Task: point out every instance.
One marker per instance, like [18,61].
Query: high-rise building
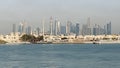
[57,27]
[63,30]
[98,30]
[29,30]
[86,28]
[109,28]
[72,28]
[51,25]
[105,31]
[77,29]
[14,28]
[22,27]
[68,28]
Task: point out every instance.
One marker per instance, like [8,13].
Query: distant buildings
[63,30]
[97,30]
[21,27]
[57,27]
[70,28]
[51,26]
[86,28]
[77,29]
[109,28]
[29,30]
[57,31]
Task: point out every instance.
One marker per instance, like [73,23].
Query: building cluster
[55,28]
[71,31]
[75,28]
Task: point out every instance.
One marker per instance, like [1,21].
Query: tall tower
[20,28]
[77,29]
[68,28]
[57,27]
[29,30]
[109,28]
[89,31]
[51,25]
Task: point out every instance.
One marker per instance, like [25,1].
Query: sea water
[60,56]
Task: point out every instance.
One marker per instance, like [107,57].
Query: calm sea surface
[60,56]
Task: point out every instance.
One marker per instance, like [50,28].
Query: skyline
[55,28]
[77,11]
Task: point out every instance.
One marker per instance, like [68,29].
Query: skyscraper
[57,27]
[63,30]
[109,28]
[77,29]
[51,25]
[68,28]
[89,32]
[72,28]
[29,30]
[22,27]
[86,28]
[98,30]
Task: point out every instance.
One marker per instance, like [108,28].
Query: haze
[33,11]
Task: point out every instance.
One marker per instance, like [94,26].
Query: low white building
[11,38]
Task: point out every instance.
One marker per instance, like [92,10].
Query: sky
[77,11]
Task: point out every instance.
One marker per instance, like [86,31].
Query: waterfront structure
[11,38]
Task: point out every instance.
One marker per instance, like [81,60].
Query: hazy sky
[77,11]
